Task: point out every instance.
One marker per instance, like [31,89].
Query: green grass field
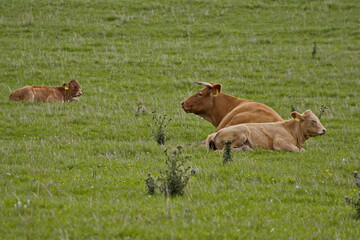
[80,168]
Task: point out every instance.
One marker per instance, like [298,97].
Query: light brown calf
[223,110]
[287,135]
[68,92]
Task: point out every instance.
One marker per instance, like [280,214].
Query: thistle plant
[174,179]
[323,108]
[227,156]
[355,202]
[159,129]
[150,184]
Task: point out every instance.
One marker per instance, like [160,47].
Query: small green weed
[159,129]
[141,110]
[355,202]
[150,184]
[323,108]
[227,156]
[314,50]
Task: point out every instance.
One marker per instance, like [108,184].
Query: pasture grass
[80,168]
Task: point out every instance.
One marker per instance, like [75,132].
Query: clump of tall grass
[173,180]
[355,202]
[158,129]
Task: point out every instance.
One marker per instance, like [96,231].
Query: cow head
[72,90]
[203,100]
[309,123]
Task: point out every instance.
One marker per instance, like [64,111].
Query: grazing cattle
[223,110]
[287,135]
[68,92]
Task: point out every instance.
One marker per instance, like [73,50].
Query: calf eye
[200,94]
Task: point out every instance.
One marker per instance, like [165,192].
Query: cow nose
[324,131]
[182,104]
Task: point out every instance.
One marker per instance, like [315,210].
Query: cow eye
[200,94]
[314,122]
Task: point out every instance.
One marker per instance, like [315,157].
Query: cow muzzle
[78,94]
[184,108]
[322,132]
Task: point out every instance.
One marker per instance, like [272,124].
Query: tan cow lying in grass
[223,110]
[287,135]
[68,92]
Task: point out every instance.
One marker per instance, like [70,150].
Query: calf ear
[66,86]
[297,116]
[216,89]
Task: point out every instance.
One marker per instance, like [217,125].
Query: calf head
[310,125]
[72,90]
[203,100]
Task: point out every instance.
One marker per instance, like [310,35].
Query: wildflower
[194,171]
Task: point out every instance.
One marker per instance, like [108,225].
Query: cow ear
[216,89]
[308,113]
[297,116]
[66,86]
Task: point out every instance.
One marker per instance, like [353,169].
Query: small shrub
[174,179]
[159,129]
[355,202]
[227,156]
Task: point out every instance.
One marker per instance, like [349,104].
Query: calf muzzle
[323,131]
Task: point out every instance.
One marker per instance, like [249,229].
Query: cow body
[68,92]
[223,110]
[287,135]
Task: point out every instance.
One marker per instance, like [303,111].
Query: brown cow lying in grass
[223,110]
[68,92]
[287,135]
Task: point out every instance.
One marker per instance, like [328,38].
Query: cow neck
[63,93]
[293,127]
[223,104]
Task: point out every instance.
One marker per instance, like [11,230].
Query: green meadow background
[77,170]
